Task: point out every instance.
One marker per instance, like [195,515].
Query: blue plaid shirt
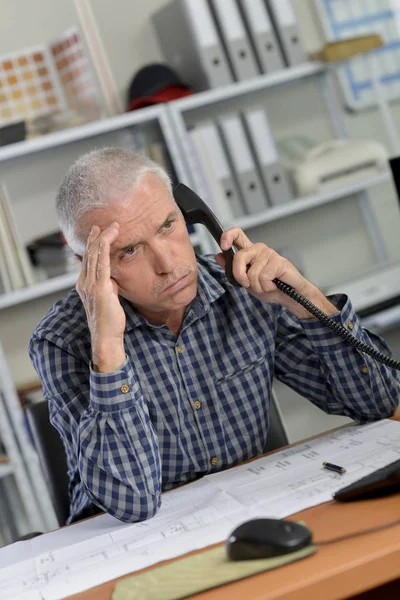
[182,407]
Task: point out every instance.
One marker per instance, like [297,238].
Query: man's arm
[104,423]
[311,358]
[321,366]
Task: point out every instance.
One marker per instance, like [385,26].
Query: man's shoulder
[65,322]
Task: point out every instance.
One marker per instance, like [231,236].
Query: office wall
[129,40]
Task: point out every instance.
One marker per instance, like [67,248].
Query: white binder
[216,173]
[235,39]
[9,253]
[262,35]
[240,156]
[284,20]
[273,173]
[191,45]
[207,185]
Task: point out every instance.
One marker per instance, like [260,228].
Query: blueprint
[196,515]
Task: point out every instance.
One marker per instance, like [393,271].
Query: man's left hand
[255,266]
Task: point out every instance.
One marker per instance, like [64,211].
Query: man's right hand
[99,295]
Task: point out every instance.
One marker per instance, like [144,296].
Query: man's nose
[164,261]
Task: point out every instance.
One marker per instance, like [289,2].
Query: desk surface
[336,571]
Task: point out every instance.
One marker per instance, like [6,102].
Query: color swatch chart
[342,19]
[28,87]
[75,74]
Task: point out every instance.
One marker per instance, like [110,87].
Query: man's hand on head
[255,266]
[99,295]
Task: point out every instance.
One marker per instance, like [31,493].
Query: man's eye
[167,224]
[130,251]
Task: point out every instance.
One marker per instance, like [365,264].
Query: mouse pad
[197,573]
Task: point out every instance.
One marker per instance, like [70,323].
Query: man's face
[152,260]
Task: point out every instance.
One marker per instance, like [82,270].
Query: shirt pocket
[242,368]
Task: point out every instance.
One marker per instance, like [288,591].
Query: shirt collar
[208,290]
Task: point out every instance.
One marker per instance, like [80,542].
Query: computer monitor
[395,167]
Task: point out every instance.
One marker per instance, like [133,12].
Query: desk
[337,571]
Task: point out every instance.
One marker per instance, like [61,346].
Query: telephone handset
[195,210]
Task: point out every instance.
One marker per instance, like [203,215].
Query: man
[156,369]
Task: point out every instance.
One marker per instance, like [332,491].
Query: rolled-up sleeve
[320,365]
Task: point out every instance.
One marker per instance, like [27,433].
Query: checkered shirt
[181,407]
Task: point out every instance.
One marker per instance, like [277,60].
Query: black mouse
[264,538]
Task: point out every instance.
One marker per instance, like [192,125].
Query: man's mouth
[177,284]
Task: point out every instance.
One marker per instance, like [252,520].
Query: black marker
[335,468]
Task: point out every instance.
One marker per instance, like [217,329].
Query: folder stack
[212,173]
[212,43]
[191,44]
[242,162]
[273,174]
[284,20]
[262,35]
[15,268]
[235,164]
[235,39]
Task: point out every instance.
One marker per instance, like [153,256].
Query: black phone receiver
[195,210]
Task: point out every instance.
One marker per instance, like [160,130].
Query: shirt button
[197,404]
[350,325]
[124,388]
[364,369]
[214,461]
[179,349]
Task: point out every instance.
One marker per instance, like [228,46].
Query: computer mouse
[265,538]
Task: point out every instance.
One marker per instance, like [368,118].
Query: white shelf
[152,113]
[6,469]
[241,88]
[80,132]
[306,202]
[43,288]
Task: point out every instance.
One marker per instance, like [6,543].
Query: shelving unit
[170,120]
[23,466]
[183,114]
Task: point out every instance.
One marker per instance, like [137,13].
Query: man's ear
[79,257]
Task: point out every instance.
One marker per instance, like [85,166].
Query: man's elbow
[140,511]
[396,414]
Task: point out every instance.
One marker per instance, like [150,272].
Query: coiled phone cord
[336,327]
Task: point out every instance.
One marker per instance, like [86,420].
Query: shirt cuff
[114,391]
[323,337]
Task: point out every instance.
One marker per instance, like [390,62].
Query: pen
[335,468]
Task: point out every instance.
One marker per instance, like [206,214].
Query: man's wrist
[314,295]
[107,358]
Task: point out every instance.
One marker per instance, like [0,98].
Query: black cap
[155,83]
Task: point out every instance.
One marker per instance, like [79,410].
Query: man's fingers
[95,251]
[235,236]
[93,234]
[261,277]
[241,262]
[103,270]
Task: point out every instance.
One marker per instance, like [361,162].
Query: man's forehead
[126,205]
[135,232]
